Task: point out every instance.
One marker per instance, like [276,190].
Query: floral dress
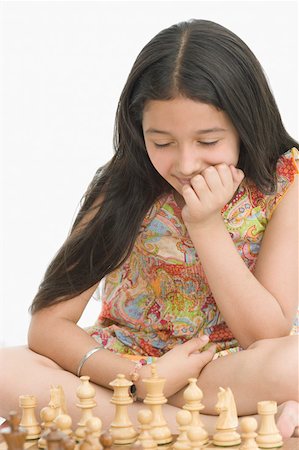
[160,296]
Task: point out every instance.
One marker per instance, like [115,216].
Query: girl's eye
[208,143]
[161,145]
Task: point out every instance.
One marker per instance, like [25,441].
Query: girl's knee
[278,363]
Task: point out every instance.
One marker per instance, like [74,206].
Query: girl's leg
[26,372]
[267,370]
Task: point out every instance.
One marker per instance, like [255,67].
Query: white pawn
[144,417]
[196,436]
[183,418]
[91,440]
[64,424]
[248,426]
[28,404]
[47,415]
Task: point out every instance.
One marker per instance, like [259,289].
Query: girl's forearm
[66,343]
[250,310]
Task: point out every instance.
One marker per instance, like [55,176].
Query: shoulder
[286,171]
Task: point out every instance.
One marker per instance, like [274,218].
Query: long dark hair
[202,61]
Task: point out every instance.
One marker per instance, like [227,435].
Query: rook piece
[268,434]
[227,422]
[28,404]
[248,426]
[155,399]
[121,428]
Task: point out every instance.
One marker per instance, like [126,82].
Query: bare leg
[268,369]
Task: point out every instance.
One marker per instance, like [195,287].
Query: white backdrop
[65,64]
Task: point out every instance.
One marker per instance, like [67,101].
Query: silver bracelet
[85,357]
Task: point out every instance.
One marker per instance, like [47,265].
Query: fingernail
[204,338]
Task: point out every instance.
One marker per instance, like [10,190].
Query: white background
[65,64]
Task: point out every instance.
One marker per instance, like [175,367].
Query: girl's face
[183,137]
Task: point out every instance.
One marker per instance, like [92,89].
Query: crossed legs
[267,370]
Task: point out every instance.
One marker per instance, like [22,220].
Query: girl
[192,227]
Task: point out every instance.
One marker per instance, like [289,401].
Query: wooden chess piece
[184,419]
[28,404]
[155,399]
[106,440]
[13,435]
[248,426]
[227,422]
[93,430]
[193,396]
[47,415]
[196,436]
[121,427]
[145,417]
[268,434]
[86,395]
[68,443]
[64,424]
[55,438]
[57,400]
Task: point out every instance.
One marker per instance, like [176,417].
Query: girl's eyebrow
[209,130]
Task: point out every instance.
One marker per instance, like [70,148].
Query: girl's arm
[255,305]
[55,334]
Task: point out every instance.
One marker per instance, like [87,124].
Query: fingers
[238,175]
[195,344]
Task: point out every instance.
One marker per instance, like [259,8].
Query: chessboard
[288,444]
[55,431]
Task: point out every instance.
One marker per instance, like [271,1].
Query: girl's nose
[188,162]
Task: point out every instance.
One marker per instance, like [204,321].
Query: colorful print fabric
[160,296]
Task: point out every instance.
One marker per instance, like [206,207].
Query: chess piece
[155,399]
[227,422]
[28,404]
[55,438]
[93,431]
[47,415]
[57,400]
[64,424]
[248,426]
[184,419]
[14,436]
[94,425]
[86,395]
[193,396]
[145,417]
[121,427]
[196,435]
[268,434]
[106,440]
[68,443]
